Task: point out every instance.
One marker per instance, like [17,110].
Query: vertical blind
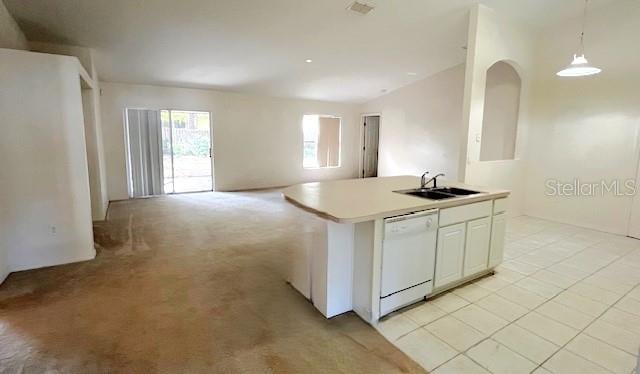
[145,152]
[328,142]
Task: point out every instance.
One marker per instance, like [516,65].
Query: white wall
[587,128]
[100,158]
[420,125]
[84,55]
[494,38]
[5,267]
[10,34]
[43,164]
[4,256]
[257,140]
[93,123]
[95,153]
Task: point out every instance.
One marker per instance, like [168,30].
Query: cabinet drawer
[500,205]
[464,213]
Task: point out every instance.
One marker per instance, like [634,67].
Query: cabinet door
[498,231]
[476,255]
[449,254]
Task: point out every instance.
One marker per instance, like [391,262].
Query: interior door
[370,146]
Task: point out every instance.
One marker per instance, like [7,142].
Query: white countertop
[365,199]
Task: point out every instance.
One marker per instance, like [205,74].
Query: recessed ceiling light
[411,73]
[308,61]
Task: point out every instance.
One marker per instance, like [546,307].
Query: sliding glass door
[186,150]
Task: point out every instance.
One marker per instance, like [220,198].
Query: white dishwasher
[408,259]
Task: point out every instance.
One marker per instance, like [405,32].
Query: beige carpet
[185,283]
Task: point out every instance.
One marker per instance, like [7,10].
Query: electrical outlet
[53,229]
[477,138]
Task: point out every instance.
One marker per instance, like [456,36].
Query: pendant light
[580,67]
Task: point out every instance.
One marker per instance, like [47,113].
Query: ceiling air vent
[360,8]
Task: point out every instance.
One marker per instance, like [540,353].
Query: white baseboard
[4,273]
[577,224]
[59,261]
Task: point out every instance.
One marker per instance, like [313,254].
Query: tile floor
[565,300]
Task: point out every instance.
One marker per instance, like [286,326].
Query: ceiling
[260,46]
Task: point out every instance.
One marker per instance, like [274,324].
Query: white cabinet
[498,232]
[500,205]
[470,241]
[450,254]
[477,246]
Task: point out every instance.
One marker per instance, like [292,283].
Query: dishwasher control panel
[410,224]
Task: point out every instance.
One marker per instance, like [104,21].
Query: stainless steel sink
[438,193]
[455,191]
[428,194]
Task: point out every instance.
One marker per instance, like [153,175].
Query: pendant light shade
[580,67]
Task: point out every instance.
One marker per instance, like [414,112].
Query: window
[321,136]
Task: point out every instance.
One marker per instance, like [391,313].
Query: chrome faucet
[424,181]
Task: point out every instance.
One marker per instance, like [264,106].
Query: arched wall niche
[501,112]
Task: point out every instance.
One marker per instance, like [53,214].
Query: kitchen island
[375,240]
